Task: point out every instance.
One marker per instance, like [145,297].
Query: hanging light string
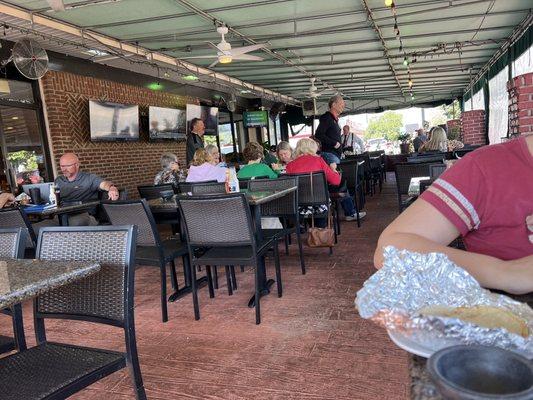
[406,62]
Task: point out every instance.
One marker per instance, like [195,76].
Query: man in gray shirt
[75,185]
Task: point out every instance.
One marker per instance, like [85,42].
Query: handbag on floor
[320,237]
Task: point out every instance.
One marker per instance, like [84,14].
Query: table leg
[264,283]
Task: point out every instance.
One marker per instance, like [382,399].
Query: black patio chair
[435,170]
[151,249]
[16,218]
[230,239]
[429,158]
[285,208]
[371,171]
[12,244]
[315,194]
[53,370]
[150,192]
[350,174]
[379,164]
[244,183]
[186,187]
[200,188]
[404,172]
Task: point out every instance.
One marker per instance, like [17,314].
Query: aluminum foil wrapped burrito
[410,282]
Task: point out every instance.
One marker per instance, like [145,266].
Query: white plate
[406,343]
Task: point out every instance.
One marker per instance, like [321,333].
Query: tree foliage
[452,111]
[388,125]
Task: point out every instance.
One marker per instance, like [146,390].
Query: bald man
[76,185]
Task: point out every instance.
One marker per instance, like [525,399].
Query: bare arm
[6,199]
[111,189]
[422,228]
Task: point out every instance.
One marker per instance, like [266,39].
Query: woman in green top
[253,154]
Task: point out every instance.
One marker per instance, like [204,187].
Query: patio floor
[310,345]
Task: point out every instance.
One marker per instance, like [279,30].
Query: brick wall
[521,104]
[473,127]
[127,164]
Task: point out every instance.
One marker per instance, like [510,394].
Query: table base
[200,282]
[263,292]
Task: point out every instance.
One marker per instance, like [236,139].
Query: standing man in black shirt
[195,139]
[328,132]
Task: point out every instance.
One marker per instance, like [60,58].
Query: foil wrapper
[410,281]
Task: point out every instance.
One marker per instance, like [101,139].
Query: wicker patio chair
[16,218]
[316,197]
[12,242]
[350,174]
[150,192]
[222,226]
[404,172]
[53,370]
[285,208]
[151,249]
[200,188]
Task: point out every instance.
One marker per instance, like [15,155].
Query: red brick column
[521,104]
[473,127]
[454,126]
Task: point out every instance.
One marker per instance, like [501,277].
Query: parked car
[376,144]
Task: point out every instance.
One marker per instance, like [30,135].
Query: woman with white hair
[214,153]
[170,170]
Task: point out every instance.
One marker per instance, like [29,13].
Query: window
[476,102]
[498,106]
[523,64]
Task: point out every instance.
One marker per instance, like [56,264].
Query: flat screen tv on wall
[113,121]
[207,114]
[167,123]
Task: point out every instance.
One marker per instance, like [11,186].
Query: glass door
[23,153]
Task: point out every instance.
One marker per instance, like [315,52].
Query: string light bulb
[410,82]
[405,61]
[389,3]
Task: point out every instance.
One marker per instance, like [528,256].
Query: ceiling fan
[312,92]
[56,5]
[226,54]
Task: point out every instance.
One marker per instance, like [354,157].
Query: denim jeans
[348,206]
[330,157]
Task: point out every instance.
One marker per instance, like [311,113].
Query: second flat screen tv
[167,123]
[113,121]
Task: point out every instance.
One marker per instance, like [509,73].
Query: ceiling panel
[450,40]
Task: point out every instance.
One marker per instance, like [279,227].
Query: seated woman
[253,155]
[306,160]
[284,153]
[487,198]
[170,172]
[438,141]
[214,153]
[203,168]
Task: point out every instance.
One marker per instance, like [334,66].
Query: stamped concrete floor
[310,345]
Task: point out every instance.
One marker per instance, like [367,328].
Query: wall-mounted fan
[226,54]
[29,58]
